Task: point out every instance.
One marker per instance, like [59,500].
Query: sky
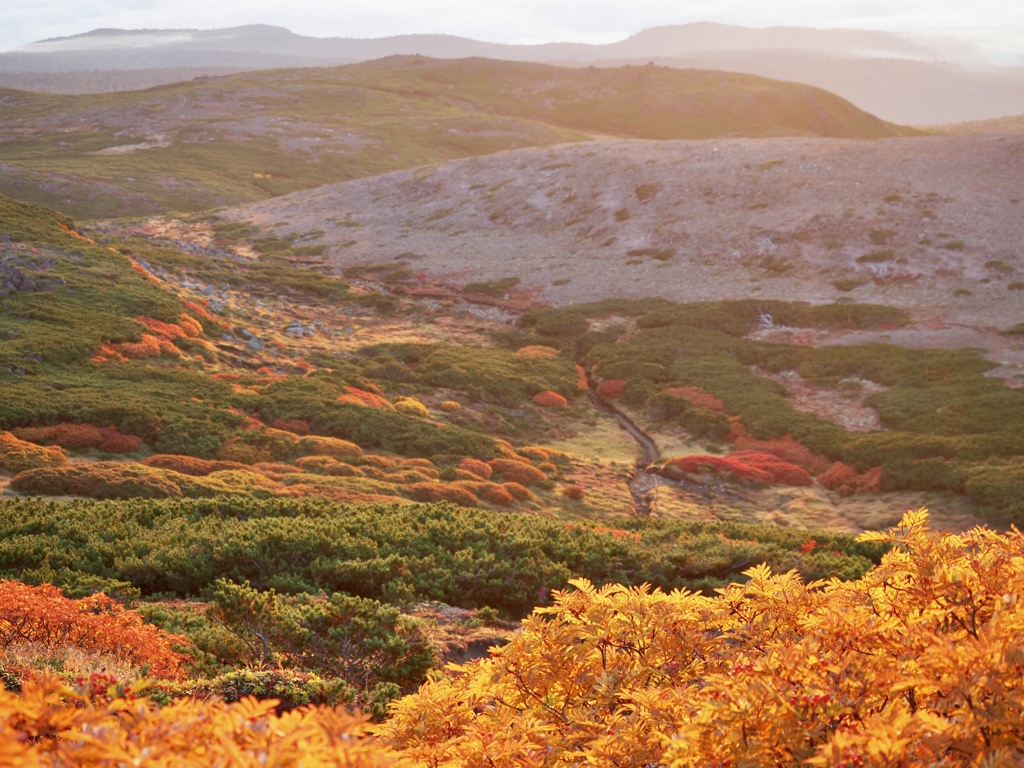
[1000,22]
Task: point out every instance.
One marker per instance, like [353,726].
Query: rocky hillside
[933,225]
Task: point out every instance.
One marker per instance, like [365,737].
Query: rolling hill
[931,224]
[246,137]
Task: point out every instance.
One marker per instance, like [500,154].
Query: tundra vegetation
[217,535]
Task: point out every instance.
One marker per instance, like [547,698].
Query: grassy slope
[251,136]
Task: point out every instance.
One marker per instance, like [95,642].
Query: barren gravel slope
[933,224]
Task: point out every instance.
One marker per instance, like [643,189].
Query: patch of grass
[659,254]
[876,257]
[647,192]
[847,283]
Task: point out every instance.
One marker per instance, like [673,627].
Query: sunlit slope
[247,137]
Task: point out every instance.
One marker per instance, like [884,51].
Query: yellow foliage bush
[411,406]
[51,724]
[451,406]
[918,663]
[329,446]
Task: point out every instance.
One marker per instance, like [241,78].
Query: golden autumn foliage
[920,662]
[42,617]
[51,724]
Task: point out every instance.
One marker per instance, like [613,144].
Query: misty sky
[507,21]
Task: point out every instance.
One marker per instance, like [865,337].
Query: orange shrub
[450,406]
[106,439]
[355,396]
[186,327]
[582,385]
[611,389]
[226,376]
[17,455]
[549,399]
[698,398]
[547,467]
[148,346]
[573,492]
[516,471]
[518,492]
[476,467]
[42,615]
[189,465]
[538,350]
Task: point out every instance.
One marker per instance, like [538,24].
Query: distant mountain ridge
[901,78]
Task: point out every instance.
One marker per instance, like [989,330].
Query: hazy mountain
[902,78]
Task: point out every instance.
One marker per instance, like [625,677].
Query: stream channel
[643,481]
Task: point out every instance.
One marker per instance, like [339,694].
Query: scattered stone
[255,344]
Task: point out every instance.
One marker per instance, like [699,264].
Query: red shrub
[719,465]
[516,471]
[549,399]
[846,481]
[788,449]
[697,397]
[782,472]
[611,389]
[476,467]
